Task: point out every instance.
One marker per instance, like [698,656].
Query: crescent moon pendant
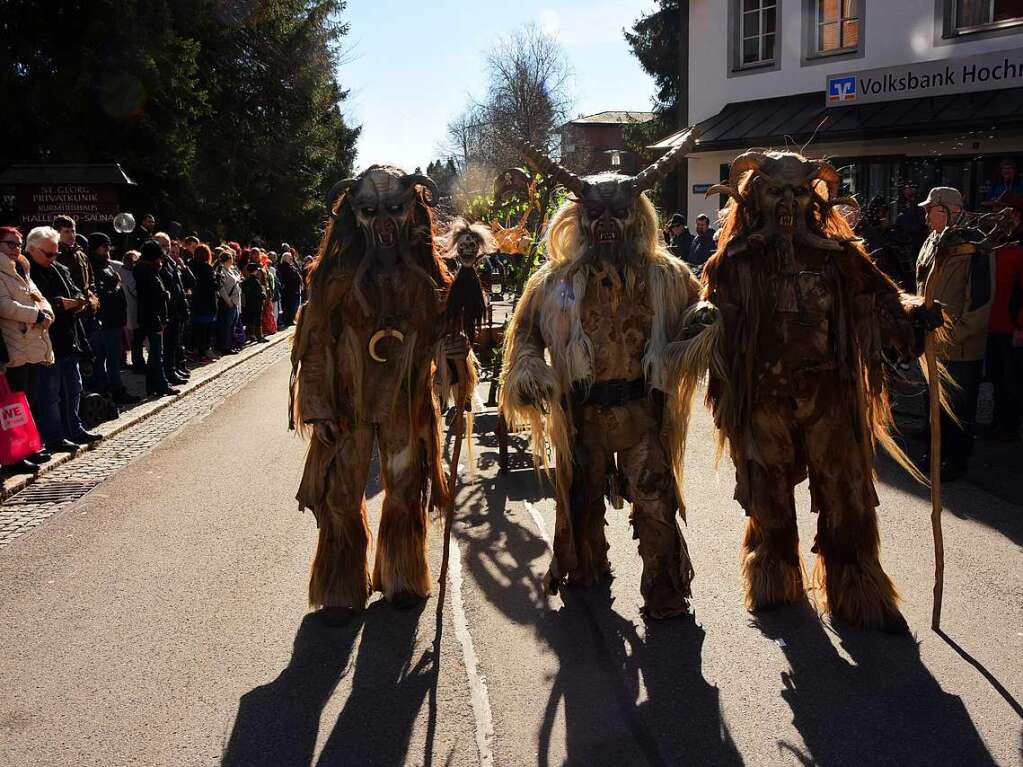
[379,336]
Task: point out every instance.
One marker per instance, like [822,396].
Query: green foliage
[655,42]
[227,114]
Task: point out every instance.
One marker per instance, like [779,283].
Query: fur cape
[547,352]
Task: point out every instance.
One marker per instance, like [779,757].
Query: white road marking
[541,526]
[477,685]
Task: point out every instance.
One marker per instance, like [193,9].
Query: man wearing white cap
[965,286]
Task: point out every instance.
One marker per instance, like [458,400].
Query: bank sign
[984,72]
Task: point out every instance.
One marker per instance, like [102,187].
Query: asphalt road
[161,620]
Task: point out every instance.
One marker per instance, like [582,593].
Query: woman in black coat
[204,302]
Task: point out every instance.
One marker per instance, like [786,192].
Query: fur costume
[585,367]
[363,365]
[797,381]
[463,245]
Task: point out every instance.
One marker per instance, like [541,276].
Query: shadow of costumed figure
[802,316]
[367,346]
[605,307]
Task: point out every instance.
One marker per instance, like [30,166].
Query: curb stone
[138,414]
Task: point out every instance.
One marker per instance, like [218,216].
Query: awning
[106,173]
[768,121]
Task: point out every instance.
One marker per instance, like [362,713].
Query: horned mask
[608,201]
[785,195]
[383,198]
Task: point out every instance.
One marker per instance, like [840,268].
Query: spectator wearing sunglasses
[55,393]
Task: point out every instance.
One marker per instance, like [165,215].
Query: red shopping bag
[19,437]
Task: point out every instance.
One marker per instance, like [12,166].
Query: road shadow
[389,687]
[882,708]
[604,668]
[624,698]
[277,723]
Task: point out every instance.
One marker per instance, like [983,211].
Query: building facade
[926,92]
[597,143]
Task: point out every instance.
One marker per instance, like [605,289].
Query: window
[838,26]
[979,15]
[757,32]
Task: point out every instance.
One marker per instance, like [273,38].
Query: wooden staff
[934,389]
[449,512]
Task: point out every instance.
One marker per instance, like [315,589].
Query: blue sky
[412,65]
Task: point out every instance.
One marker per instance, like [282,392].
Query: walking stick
[934,416]
[449,512]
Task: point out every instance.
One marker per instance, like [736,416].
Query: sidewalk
[201,375]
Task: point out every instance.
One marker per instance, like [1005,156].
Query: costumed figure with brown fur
[367,347]
[801,322]
[585,367]
[463,245]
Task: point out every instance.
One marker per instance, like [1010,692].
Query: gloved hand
[930,317]
[704,316]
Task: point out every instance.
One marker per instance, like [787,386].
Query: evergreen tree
[226,114]
[655,42]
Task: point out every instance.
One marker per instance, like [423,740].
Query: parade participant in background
[462,246]
[798,385]
[605,308]
[363,373]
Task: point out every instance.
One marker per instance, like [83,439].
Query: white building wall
[894,32]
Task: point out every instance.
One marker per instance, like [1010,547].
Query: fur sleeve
[528,382]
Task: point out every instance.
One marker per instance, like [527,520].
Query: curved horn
[424,181]
[751,160]
[826,172]
[659,169]
[558,173]
[724,189]
[335,190]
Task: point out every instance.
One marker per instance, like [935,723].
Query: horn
[724,189]
[335,190]
[825,171]
[425,181]
[851,202]
[558,173]
[660,169]
[751,160]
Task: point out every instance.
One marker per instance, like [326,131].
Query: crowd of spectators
[68,307]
